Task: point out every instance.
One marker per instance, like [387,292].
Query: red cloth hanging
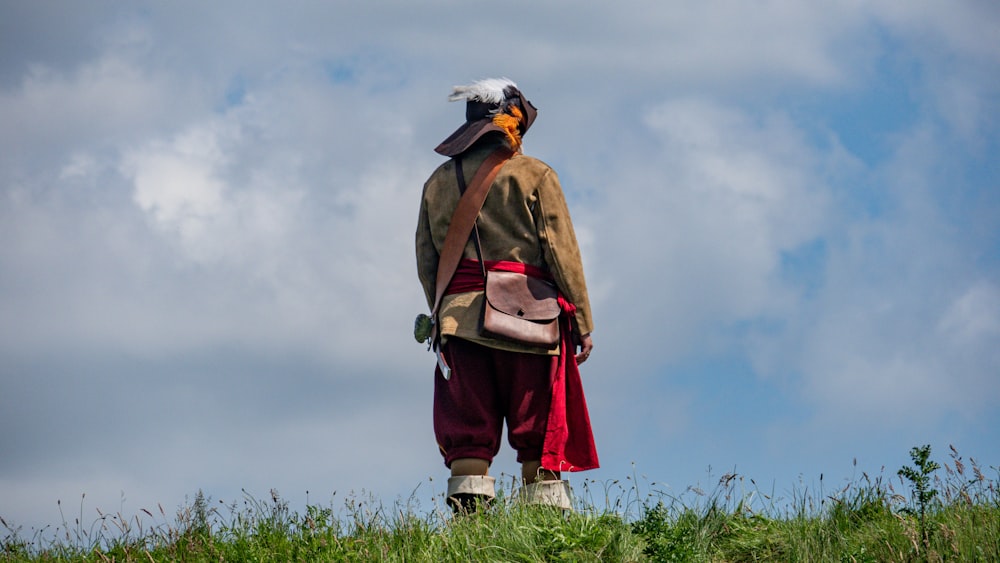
[569,439]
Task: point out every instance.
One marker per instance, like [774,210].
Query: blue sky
[789,214]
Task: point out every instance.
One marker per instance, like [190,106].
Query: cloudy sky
[789,214]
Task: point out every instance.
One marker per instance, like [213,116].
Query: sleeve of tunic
[560,248]
[427,254]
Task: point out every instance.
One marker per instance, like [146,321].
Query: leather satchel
[521,308]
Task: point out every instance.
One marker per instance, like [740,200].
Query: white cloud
[889,336]
[966,28]
[102,103]
[81,165]
[698,222]
[179,187]
[973,319]
[957,45]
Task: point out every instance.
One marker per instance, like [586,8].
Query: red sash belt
[569,439]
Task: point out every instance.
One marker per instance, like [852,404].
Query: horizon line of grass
[950,517]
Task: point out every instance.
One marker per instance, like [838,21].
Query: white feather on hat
[489,91]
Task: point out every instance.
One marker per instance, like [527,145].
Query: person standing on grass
[524,222]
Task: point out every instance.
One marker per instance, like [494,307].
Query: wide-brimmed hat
[493,104]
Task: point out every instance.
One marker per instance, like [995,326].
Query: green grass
[871,519]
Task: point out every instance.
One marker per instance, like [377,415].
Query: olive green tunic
[524,219]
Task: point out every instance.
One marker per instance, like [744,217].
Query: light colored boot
[548,493]
[467,492]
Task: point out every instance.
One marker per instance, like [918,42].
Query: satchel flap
[522,296]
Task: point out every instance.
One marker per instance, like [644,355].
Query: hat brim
[465,136]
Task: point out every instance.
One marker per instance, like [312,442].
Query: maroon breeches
[487,387]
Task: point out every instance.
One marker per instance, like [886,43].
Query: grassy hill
[924,512]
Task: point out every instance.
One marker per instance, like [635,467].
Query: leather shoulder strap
[463,219]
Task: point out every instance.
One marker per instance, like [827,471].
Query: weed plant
[918,514]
